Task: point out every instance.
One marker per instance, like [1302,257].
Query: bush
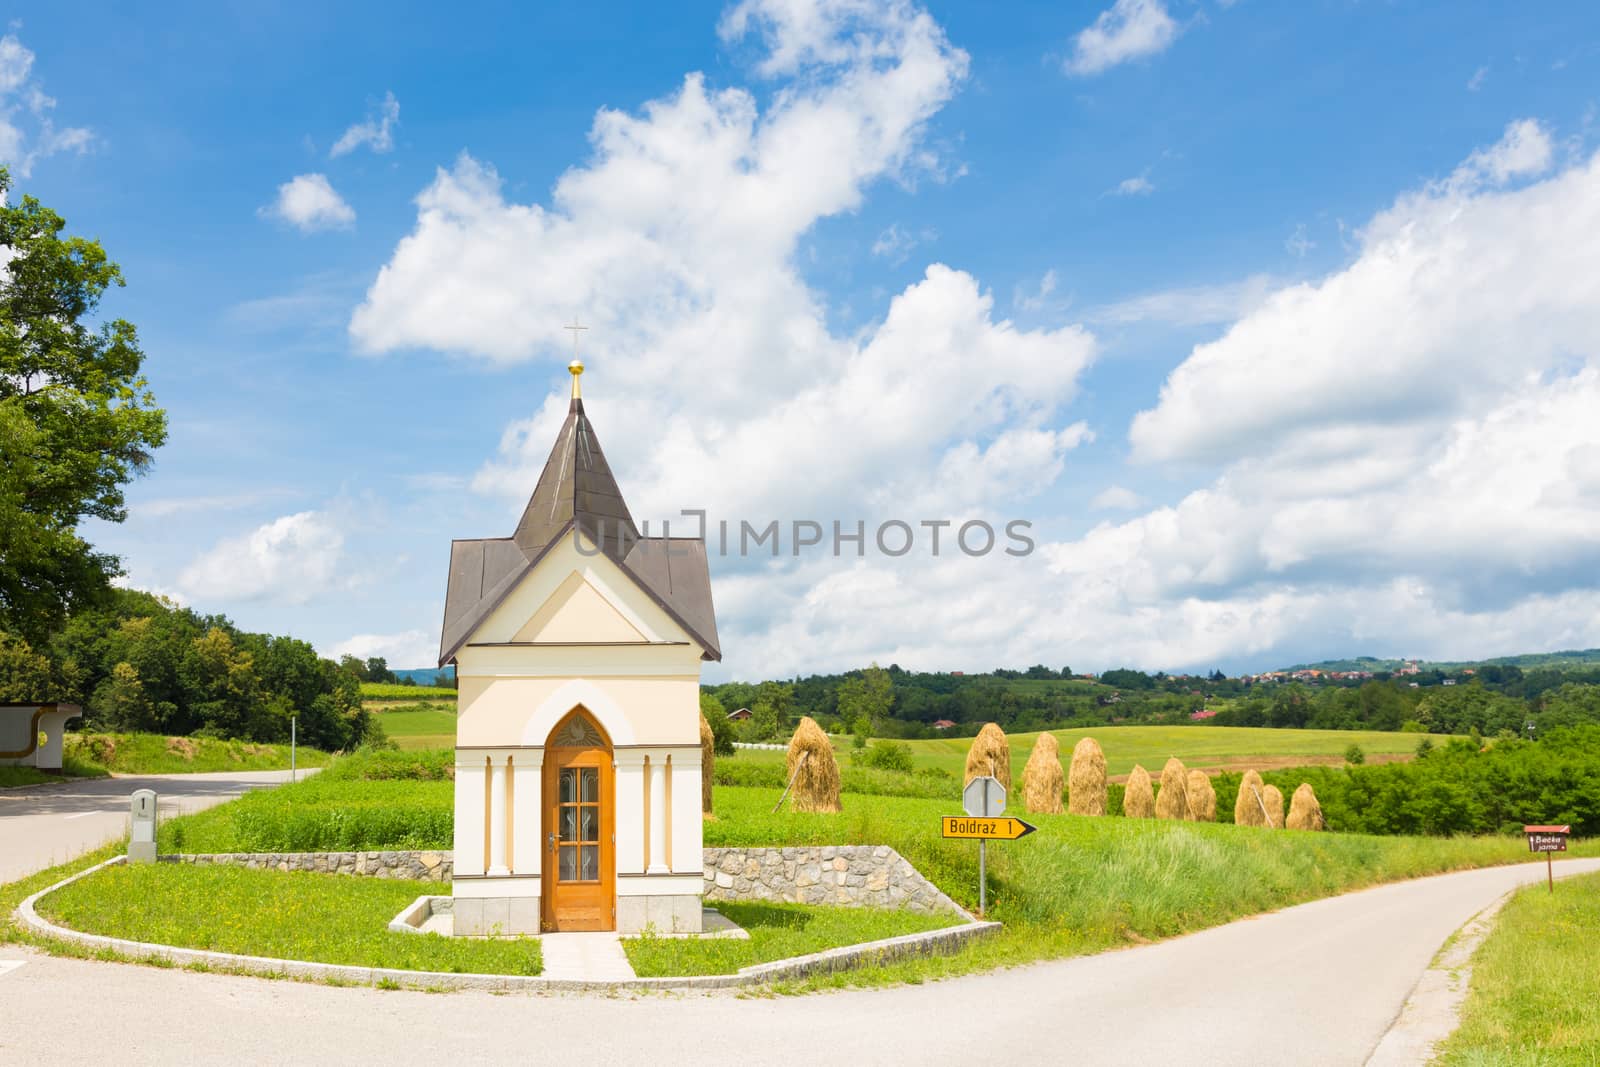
[1355,756]
[886,756]
[377,765]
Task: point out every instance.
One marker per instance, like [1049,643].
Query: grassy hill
[1573,659]
[1209,748]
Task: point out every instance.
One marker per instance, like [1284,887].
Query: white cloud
[402,651]
[309,203]
[1192,305]
[1475,82]
[1459,292]
[1299,243]
[1129,29]
[27,132]
[1115,498]
[1138,185]
[678,237]
[1039,297]
[376,132]
[291,559]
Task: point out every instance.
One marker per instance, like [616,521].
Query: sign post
[1548,839]
[984,800]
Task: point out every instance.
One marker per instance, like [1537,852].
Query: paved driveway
[48,824]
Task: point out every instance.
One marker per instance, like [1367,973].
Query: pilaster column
[660,816]
[497,818]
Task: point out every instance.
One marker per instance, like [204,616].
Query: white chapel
[577,645]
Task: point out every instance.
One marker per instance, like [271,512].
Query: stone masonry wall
[413,866]
[863,876]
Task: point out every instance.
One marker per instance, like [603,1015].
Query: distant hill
[426,675]
[1568,660]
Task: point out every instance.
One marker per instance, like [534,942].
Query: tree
[865,700]
[76,419]
[721,728]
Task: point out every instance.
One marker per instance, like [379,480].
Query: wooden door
[580,870]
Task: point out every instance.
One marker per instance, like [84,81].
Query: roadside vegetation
[323,918]
[777,931]
[155,754]
[71,767]
[1535,992]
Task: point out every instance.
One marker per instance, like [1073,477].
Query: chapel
[577,644]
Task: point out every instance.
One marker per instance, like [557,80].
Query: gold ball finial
[576,367]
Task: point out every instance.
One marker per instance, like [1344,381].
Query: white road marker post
[293,777]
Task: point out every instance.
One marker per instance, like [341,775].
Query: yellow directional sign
[985,829]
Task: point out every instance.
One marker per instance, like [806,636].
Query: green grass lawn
[154,754]
[777,931]
[1210,747]
[386,691]
[71,767]
[1535,994]
[418,725]
[324,918]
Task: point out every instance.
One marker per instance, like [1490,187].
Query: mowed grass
[324,918]
[155,754]
[418,726]
[777,931]
[1535,993]
[1206,747]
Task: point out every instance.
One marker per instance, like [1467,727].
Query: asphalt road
[44,825]
[1315,984]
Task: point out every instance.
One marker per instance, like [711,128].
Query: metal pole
[1550,870]
[983,876]
[293,776]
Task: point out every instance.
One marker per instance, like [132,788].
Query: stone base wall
[674,914]
[413,866]
[861,876]
[496,916]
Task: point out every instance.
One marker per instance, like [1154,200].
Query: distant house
[942,724]
[1449,681]
[739,715]
[1203,714]
[958,674]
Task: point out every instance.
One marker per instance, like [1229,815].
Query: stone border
[932,942]
[415,865]
[852,876]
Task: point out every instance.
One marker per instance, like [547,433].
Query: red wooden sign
[1547,838]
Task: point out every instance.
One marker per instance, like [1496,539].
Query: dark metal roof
[577,491]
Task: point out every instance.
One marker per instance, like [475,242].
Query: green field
[1209,748]
[415,726]
[1535,993]
[387,691]
[326,918]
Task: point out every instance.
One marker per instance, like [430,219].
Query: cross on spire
[576,366]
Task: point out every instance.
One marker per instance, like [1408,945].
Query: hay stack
[1173,801]
[1304,811]
[1247,809]
[1138,799]
[1202,797]
[1272,796]
[989,754]
[1087,779]
[708,757]
[1041,778]
[816,787]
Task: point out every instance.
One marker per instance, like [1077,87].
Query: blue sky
[1272,318]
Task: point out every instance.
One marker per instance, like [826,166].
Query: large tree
[77,421]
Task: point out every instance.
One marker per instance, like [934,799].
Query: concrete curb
[932,942]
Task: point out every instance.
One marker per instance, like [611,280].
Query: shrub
[1355,756]
[1138,799]
[1087,780]
[886,756]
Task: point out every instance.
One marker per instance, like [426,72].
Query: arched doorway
[580,863]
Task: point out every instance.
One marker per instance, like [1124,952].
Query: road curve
[49,824]
[1314,984]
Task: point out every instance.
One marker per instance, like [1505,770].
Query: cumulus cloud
[1138,185]
[292,559]
[709,350]
[402,651]
[1115,498]
[1129,29]
[309,203]
[375,132]
[28,132]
